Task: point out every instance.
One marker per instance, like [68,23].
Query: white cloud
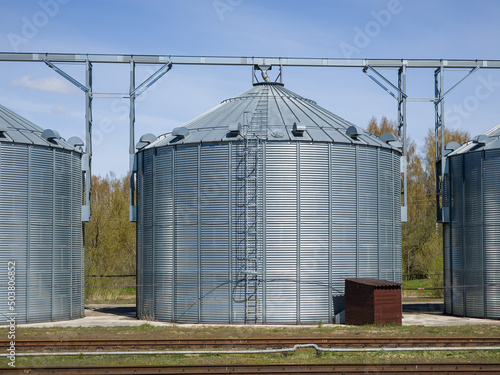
[52,84]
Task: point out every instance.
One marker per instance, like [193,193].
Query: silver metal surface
[263,226]
[471,245]
[40,223]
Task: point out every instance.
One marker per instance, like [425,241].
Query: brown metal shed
[372,301]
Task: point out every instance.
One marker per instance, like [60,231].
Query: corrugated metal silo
[40,223]
[471,240]
[257,210]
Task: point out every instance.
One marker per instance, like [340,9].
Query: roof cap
[235,128]
[50,135]
[180,132]
[75,141]
[388,137]
[354,131]
[481,139]
[145,140]
[298,129]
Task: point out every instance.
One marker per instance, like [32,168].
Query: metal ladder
[249,243]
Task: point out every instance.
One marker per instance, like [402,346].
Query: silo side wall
[471,246]
[41,231]
[491,188]
[324,215]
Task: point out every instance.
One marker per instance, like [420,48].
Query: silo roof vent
[50,135]
[450,147]
[3,129]
[76,142]
[388,137]
[235,128]
[298,129]
[180,132]
[145,140]
[481,139]
[354,131]
[391,139]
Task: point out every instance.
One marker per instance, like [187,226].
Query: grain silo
[257,210]
[471,237]
[41,249]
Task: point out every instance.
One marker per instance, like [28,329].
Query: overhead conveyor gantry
[368,66]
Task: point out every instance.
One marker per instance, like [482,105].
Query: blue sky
[448,29]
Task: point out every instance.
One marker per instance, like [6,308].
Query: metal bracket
[459,82]
[151,80]
[66,76]
[368,67]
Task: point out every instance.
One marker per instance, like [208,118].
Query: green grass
[409,290]
[179,331]
[300,356]
[110,290]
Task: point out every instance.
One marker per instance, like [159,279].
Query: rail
[270,342]
[268,369]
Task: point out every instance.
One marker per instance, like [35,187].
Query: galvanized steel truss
[368,65]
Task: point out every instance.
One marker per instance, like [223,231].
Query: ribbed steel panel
[473,241]
[187,293]
[281,233]
[40,229]
[214,234]
[163,210]
[344,218]
[491,188]
[367,170]
[447,269]
[314,233]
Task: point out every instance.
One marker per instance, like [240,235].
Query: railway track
[269,369]
[254,343]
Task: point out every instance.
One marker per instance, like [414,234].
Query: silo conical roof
[278,111]
[17,129]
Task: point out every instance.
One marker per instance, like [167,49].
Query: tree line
[422,240]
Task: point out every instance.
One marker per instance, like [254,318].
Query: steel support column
[132,206]
[402,136]
[132,117]
[86,209]
[439,133]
